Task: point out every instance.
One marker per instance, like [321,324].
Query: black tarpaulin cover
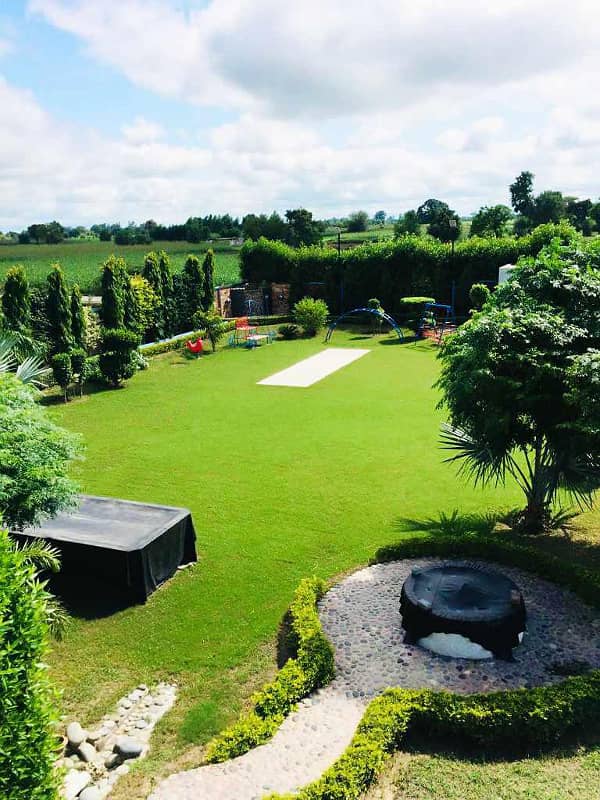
[134,546]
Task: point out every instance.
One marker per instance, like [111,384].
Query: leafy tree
[212,324]
[117,357]
[36,455]
[151,272]
[379,217]
[302,228]
[445,226]
[491,221]
[408,224]
[548,207]
[58,311]
[208,286]
[311,315]
[521,194]
[78,318]
[112,311]
[273,227]
[27,714]
[193,288]
[358,222]
[62,370]
[430,210]
[16,301]
[520,381]
[579,214]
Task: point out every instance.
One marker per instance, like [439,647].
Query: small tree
[27,715]
[78,318]
[36,455]
[79,367]
[478,295]
[131,306]
[112,311]
[62,371]
[208,286]
[117,362]
[408,224]
[148,306]
[520,381]
[16,303]
[212,324]
[166,289]
[311,315]
[358,222]
[193,287]
[58,311]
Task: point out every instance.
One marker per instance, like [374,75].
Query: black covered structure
[471,600]
[132,546]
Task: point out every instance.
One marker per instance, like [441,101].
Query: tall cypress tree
[112,312]
[193,288]
[166,286]
[131,306]
[58,311]
[78,321]
[152,273]
[208,293]
[16,301]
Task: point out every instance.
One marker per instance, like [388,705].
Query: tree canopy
[520,381]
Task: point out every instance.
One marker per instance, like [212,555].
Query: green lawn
[82,260]
[282,483]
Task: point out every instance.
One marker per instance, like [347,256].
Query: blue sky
[130,109]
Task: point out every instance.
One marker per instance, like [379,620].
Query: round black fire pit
[476,602]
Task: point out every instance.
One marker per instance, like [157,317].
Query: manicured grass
[282,483]
[81,261]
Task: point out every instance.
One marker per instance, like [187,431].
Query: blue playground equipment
[381,315]
[429,325]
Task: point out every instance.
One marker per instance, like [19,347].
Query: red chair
[195,347]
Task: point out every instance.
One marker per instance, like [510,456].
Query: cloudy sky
[117,110]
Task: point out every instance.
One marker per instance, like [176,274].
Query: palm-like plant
[17,354]
[45,558]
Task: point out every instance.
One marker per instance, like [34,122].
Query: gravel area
[361,617]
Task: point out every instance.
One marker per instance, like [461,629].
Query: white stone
[76,734]
[91,793]
[87,752]
[75,782]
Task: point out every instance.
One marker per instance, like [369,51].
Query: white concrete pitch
[313,369]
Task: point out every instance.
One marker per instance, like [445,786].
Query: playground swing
[379,314]
[437,320]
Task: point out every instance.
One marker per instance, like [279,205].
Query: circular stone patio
[361,617]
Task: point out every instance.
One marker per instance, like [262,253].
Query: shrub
[78,318]
[412,310]
[112,312]
[312,667]
[16,302]
[116,360]
[478,295]
[93,332]
[27,743]
[79,367]
[147,305]
[311,315]
[62,372]
[36,454]
[289,331]
[212,324]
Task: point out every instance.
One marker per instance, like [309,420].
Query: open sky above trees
[263,105]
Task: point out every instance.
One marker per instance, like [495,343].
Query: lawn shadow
[453,524]
[89,598]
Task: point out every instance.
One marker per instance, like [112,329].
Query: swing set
[438,320]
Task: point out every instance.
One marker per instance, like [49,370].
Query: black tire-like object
[474,601]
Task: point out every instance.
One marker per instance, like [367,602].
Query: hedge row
[390,270]
[311,668]
[517,721]
[177,343]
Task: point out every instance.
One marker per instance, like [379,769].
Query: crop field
[81,261]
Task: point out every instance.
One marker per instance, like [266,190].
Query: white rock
[91,793]
[76,734]
[75,782]
[87,752]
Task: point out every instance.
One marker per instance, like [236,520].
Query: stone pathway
[361,618]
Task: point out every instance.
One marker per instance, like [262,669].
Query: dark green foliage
[272,227]
[511,722]
[193,289]
[302,229]
[412,309]
[512,379]
[311,315]
[310,668]
[116,359]
[289,331]
[521,194]
[27,741]
[58,311]
[408,224]
[131,305]
[490,221]
[79,367]
[151,272]
[78,319]
[112,312]
[62,370]
[36,455]
[157,271]
[208,285]
[16,304]
[358,222]
[479,295]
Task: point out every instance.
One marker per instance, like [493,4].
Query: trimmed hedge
[28,746]
[516,721]
[311,668]
[178,343]
[410,265]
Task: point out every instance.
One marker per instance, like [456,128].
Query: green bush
[412,311]
[16,301]
[62,372]
[116,359]
[311,315]
[288,331]
[212,324]
[79,367]
[27,742]
[478,295]
[311,668]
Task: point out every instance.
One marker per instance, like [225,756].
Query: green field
[82,261]
[282,483]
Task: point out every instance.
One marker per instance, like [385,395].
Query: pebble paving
[361,617]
